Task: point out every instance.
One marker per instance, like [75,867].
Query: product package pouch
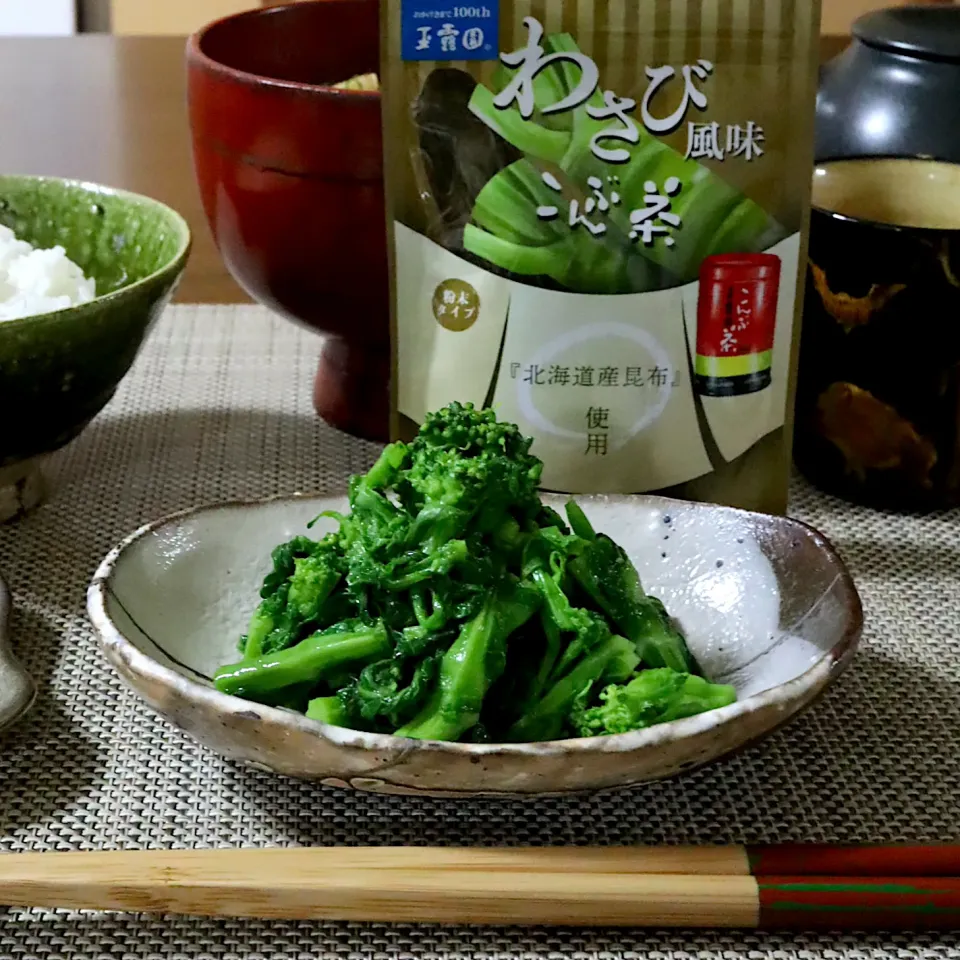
[597,213]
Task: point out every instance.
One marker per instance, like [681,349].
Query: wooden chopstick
[567,886]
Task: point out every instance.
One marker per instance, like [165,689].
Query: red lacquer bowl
[291,176]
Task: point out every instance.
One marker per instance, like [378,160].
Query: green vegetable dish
[452,604]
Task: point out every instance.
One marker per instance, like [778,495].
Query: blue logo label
[444,30]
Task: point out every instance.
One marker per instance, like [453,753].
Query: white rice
[36,281]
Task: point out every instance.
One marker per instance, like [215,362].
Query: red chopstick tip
[804,860]
[860,903]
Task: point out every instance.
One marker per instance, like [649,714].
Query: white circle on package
[596,331]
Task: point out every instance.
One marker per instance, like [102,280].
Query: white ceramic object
[765,602]
[17,690]
[22,488]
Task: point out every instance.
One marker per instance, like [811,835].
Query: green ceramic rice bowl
[58,370]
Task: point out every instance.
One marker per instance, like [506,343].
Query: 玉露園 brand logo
[440,30]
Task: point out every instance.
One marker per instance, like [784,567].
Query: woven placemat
[218,406]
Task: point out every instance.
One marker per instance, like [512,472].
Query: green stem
[546,719]
[328,710]
[307,662]
[472,664]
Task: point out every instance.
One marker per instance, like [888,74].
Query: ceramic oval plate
[17,689]
[765,602]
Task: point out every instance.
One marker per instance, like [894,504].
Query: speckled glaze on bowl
[170,601]
[62,368]
[17,689]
